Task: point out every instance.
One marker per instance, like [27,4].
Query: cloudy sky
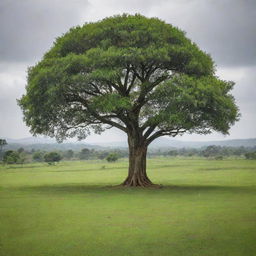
[224,28]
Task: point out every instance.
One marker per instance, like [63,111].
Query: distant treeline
[22,155]
[210,151]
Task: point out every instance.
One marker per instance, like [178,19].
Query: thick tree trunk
[137,176]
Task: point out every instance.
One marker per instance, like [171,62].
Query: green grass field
[206,207]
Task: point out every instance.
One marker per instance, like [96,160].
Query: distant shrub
[84,154]
[218,158]
[69,154]
[52,157]
[173,153]
[11,157]
[112,157]
[211,151]
[250,155]
[102,155]
[20,150]
[38,156]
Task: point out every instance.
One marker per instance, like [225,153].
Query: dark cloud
[29,27]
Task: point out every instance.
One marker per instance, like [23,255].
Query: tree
[137,74]
[38,156]
[12,157]
[20,150]
[103,155]
[2,144]
[84,154]
[112,157]
[250,155]
[173,152]
[52,157]
[69,154]
[211,151]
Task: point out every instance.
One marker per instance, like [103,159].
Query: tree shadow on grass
[111,189]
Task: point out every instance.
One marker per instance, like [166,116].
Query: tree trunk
[137,176]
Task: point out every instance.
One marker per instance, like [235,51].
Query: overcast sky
[224,28]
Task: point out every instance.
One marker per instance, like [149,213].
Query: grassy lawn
[206,207]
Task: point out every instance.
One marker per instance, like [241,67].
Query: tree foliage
[124,69]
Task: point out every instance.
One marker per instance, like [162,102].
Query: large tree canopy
[137,74]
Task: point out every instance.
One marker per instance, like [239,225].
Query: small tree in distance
[102,155]
[12,157]
[38,156]
[250,155]
[112,157]
[137,74]
[69,154]
[52,157]
[84,154]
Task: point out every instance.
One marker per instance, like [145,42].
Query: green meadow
[205,208]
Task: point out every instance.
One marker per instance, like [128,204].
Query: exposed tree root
[139,181]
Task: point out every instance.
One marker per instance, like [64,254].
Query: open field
[205,208]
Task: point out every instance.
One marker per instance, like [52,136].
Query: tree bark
[137,176]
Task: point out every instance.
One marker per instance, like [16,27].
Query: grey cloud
[133,5]
[12,81]
[244,92]
[224,28]
[28,28]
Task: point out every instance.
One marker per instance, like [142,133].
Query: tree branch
[103,119]
[144,91]
[126,77]
[160,133]
[149,131]
[131,84]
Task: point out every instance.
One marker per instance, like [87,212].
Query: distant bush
[102,155]
[38,156]
[84,154]
[52,157]
[173,153]
[69,154]
[112,157]
[211,151]
[20,150]
[250,155]
[218,158]
[12,157]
